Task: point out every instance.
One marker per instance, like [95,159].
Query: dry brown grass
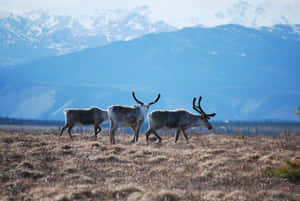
[39,165]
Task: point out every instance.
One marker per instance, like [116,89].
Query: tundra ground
[40,165]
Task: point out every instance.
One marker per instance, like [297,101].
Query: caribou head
[204,117]
[145,106]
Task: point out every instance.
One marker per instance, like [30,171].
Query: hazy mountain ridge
[37,34]
[242,73]
[257,14]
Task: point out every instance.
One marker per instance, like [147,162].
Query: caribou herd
[134,116]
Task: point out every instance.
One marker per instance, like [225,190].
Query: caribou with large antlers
[178,119]
[132,116]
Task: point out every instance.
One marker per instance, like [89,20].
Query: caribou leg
[112,131]
[155,133]
[63,129]
[185,135]
[70,130]
[134,133]
[149,131]
[177,135]
[137,133]
[97,130]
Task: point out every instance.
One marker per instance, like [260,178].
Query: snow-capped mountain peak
[43,33]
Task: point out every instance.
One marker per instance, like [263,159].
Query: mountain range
[38,34]
[242,73]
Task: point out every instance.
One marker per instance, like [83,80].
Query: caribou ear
[138,101]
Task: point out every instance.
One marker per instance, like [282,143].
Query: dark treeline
[257,127]
[32,122]
[221,127]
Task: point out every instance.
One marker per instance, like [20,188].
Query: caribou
[179,120]
[132,116]
[92,116]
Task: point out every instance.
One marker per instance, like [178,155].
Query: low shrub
[241,137]
[291,171]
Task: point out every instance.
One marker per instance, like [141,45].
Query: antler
[138,101]
[200,110]
[199,100]
[157,98]
[194,106]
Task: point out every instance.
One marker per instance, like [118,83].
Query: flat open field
[40,165]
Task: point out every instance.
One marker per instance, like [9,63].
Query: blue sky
[177,12]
